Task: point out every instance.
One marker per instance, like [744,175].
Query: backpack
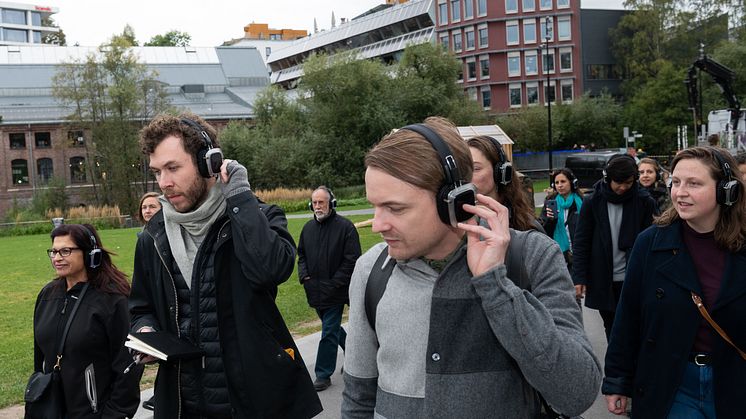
[379,276]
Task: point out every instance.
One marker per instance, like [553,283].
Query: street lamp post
[545,62]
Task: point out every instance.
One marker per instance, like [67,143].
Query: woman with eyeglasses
[94,359]
[663,352]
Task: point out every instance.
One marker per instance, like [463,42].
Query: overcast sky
[209,22]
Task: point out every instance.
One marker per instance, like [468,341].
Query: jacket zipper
[176,321]
[90,387]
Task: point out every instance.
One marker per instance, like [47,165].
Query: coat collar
[680,270]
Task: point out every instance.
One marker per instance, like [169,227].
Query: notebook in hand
[163,345]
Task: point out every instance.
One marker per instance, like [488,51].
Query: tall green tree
[172,38]
[53,38]
[111,93]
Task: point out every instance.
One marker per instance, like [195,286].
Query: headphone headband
[728,188]
[92,258]
[450,169]
[209,158]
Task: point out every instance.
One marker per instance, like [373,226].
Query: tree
[110,92]
[589,120]
[124,39]
[53,38]
[172,38]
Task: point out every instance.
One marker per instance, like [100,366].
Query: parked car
[588,167]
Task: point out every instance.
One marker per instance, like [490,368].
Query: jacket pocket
[90,387]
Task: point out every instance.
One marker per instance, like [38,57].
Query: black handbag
[44,397]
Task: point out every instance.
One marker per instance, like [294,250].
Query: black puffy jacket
[327,252]
[252,254]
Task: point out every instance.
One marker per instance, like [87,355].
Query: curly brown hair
[164,125]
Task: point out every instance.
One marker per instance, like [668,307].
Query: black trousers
[608,316]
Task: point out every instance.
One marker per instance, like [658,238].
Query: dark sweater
[709,261]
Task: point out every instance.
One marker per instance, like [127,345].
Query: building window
[532,66]
[442,13]
[532,93]
[75,138]
[514,64]
[16,17]
[468,9]
[472,93]
[37,37]
[460,75]
[77,170]
[545,4]
[17,140]
[563,28]
[483,36]
[471,69]
[455,10]
[14,35]
[511,32]
[444,40]
[486,97]
[529,31]
[470,42]
[529,5]
[457,41]
[566,89]
[481,7]
[484,65]
[548,61]
[44,170]
[547,24]
[511,6]
[549,93]
[43,139]
[19,169]
[514,91]
[35,18]
[563,4]
[565,57]
[603,72]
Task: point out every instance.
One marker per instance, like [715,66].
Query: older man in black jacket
[207,269]
[327,251]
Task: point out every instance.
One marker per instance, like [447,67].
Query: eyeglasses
[64,252]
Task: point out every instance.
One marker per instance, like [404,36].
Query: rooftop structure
[22,24]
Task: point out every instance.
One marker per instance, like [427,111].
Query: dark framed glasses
[64,252]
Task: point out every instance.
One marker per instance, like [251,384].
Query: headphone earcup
[310,206]
[202,163]
[333,203]
[92,259]
[441,203]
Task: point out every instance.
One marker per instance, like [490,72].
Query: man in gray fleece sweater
[454,336]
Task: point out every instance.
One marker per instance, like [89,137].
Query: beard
[193,197]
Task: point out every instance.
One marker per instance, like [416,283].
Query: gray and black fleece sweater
[450,345]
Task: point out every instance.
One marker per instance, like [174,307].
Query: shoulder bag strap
[376,286]
[67,326]
[703,311]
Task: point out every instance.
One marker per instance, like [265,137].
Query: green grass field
[26,268]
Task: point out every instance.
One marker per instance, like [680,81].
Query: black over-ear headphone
[92,259]
[570,176]
[332,199]
[615,157]
[454,193]
[728,189]
[209,158]
[503,170]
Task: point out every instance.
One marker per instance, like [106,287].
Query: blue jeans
[694,398]
[332,334]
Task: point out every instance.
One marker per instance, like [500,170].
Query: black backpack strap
[61,346]
[514,260]
[376,286]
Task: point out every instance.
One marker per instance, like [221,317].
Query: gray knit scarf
[187,230]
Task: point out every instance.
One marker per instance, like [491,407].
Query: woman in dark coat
[94,357]
[663,353]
